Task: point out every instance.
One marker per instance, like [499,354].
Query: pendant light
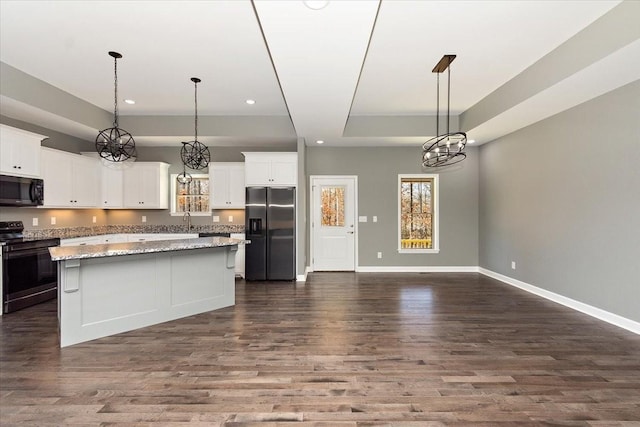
[195,154]
[184,177]
[448,148]
[115,144]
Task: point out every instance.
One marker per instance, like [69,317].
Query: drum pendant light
[115,144]
[448,148]
[195,154]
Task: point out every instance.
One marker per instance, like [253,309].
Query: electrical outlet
[216,218]
[513,265]
[144,218]
[34,222]
[379,254]
[53,220]
[230,218]
[375,218]
[94,219]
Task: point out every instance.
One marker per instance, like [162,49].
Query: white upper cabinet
[112,186]
[70,180]
[146,185]
[226,181]
[19,152]
[271,169]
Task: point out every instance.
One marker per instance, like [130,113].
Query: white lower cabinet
[124,238]
[239,255]
[82,241]
[71,180]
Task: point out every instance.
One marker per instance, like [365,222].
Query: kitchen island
[107,289]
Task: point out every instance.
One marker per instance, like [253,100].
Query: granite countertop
[61,253]
[71,232]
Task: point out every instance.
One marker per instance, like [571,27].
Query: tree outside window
[417,213]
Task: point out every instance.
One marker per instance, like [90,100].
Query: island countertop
[62,253]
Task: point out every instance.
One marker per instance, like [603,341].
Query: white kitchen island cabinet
[113,288]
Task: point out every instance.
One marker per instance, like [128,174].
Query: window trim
[173,212]
[435,219]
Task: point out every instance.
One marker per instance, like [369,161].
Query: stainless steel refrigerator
[270,226]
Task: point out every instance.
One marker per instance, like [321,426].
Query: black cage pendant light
[115,144]
[195,154]
[448,148]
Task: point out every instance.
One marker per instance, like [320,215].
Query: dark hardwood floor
[340,350]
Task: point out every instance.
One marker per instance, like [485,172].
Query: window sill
[418,251]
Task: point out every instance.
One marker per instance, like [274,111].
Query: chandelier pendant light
[447,148]
[184,177]
[115,144]
[195,154]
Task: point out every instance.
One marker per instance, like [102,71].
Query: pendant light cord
[115,92]
[196,115]
[438,105]
[448,94]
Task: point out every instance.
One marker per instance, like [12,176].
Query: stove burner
[11,231]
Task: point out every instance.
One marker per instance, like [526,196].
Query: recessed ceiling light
[316,4]
[319,141]
[471,141]
[250,101]
[129,101]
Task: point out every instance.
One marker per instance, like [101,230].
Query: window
[192,197]
[332,206]
[418,213]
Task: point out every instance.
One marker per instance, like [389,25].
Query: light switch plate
[53,220]
[94,219]
[362,219]
[34,222]
[216,218]
[144,218]
[375,218]
[230,218]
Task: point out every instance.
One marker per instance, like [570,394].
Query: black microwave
[18,191]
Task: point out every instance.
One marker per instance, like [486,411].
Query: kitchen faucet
[187,217]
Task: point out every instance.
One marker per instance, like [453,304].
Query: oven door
[29,277]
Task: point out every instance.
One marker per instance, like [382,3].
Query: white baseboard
[416,269]
[303,277]
[592,311]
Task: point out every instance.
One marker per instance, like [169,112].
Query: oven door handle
[19,253]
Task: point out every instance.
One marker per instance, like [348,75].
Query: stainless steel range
[28,275]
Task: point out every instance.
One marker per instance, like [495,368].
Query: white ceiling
[358,58]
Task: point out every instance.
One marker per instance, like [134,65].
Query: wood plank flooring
[341,349]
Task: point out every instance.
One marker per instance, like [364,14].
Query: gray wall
[561,198]
[57,140]
[377,170]
[302,208]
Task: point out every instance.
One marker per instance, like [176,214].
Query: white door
[334,223]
